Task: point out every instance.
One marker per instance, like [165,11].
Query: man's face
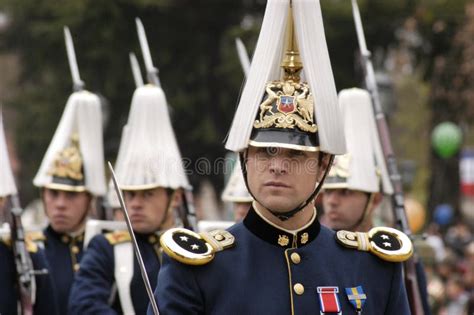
[282,179]
[343,208]
[147,208]
[66,210]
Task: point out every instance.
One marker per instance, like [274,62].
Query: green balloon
[446,139]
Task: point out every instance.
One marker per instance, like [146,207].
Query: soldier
[70,176]
[280,260]
[354,186]
[39,294]
[151,174]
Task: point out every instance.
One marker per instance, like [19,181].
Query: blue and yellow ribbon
[357,297]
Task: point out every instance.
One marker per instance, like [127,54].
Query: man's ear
[378,197]
[325,161]
[324,164]
[177,198]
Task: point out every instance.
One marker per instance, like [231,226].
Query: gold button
[219,237]
[65,238]
[299,289]
[295,258]
[76,267]
[152,239]
[75,249]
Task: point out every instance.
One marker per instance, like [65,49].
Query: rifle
[77,86]
[243,55]
[24,265]
[137,74]
[151,70]
[398,207]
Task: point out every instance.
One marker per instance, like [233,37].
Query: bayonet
[243,55]
[137,74]
[138,255]
[78,84]
[152,71]
[398,206]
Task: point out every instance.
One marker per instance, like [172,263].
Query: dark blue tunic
[45,301]
[258,275]
[63,253]
[92,287]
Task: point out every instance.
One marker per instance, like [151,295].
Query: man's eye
[296,153]
[346,192]
[149,194]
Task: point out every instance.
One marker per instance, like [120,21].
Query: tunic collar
[278,236]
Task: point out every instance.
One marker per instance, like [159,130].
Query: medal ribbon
[328,299]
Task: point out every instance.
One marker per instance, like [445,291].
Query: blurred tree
[191,44]
[450,71]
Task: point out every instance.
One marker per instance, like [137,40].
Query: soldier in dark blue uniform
[70,177]
[109,280]
[40,289]
[280,260]
[353,187]
[45,302]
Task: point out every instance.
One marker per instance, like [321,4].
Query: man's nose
[278,165]
[135,202]
[332,197]
[60,200]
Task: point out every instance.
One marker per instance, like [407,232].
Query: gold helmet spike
[291,63]
[286,114]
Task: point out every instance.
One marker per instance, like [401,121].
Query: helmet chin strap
[283,216]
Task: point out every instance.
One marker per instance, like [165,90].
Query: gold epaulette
[6,239]
[193,248]
[35,236]
[31,246]
[118,237]
[384,242]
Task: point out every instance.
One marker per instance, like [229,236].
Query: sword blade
[148,288]
[78,84]
[152,71]
[137,74]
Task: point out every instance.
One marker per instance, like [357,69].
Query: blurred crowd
[448,256]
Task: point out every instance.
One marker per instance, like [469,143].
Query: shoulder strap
[123,275]
[36,237]
[118,237]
